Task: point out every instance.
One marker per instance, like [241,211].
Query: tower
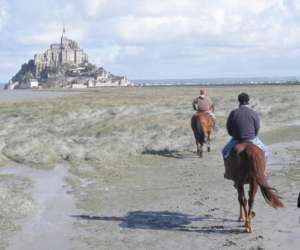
[63,36]
[63,41]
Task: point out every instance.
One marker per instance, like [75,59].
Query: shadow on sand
[170,153]
[164,220]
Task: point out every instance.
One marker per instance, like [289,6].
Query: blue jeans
[230,145]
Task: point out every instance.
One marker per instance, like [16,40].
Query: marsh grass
[98,127]
[110,128]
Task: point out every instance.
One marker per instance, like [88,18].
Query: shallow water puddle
[281,156]
[50,224]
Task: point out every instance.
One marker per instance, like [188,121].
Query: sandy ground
[117,169]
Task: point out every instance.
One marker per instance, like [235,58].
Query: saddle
[208,114]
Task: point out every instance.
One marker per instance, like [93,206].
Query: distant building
[11,85]
[91,83]
[78,86]
[65,52]
[63,65]
[33,83]
[29,83]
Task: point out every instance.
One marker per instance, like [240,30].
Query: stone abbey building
[65,52]
[63,65]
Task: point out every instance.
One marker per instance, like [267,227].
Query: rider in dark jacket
[243,125]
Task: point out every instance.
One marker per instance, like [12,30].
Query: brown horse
[202,126]
[246,165]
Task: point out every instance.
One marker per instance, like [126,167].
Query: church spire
[62,39]
[64,30]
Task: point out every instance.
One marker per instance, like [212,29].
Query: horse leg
[242,201]
[252,192]
[197,145]
[201,150]
[208,142]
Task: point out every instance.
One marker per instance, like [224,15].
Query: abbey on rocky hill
[65,65]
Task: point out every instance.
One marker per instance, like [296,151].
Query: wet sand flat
[134,180]
[31,95]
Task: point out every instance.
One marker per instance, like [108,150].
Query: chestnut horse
[246,165]
[202,126]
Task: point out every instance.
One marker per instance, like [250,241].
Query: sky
[159,39]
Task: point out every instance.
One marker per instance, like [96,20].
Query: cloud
[215,22]
[143,22]
[175,35]
[93,8]
[47,34]
[3,13]
[115,54]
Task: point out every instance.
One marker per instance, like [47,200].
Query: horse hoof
[240,219]
[248,227]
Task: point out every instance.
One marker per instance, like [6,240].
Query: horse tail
[196,126]
[256,167]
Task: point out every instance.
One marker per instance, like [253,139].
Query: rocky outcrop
[65,65]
